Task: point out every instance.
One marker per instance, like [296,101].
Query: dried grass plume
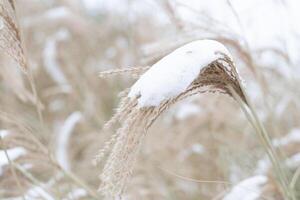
[217,77]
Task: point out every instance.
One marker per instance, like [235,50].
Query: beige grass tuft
[10,36]
[135,121]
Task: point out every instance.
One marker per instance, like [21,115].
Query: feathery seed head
[200,66]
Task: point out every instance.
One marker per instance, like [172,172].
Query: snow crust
[175,72]
[248,189]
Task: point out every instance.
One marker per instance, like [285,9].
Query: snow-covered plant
[197,67]
[248,189]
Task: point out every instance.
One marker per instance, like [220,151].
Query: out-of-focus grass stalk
[27,70]
[13,171]
[36,98]
[75,179]
[31,178]
[295,178]
[266,143]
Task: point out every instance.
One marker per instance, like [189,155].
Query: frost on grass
[197,67]
[249,189]
[174,73]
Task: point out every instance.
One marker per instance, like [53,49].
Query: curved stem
[295,178]
[266,142]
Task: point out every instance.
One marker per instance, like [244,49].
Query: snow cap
[171,75]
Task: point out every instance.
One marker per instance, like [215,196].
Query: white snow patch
[13,154]
[4,133]
[93,6]
[293,161]
[175,72]
[282,105]
[1,23]
[248,189]
[198,149]
[194,149]
[50,61]
[187,110]
[75,194]
[53,14]
[63,139]
[132,11]
[56,105]
[263,166]
[235,173]
[293,136]
[35,193]
[57,13]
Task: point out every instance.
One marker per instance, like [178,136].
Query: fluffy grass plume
[136,119]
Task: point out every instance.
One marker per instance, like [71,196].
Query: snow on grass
[50,15]
[4,133]
[77,193]
[293,136]
[175,72]
[35,193]
[63,139]
[248,189]
[194,149]
[263,165]
[13,154]
[1,23]
[187,110]
[57,13]
[293,161]
[50,59]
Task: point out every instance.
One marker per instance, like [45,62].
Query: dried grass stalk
[132,70]
[135,121]
[10,36]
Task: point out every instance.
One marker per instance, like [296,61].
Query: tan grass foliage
[10,37]
[135,121]
[202,155]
